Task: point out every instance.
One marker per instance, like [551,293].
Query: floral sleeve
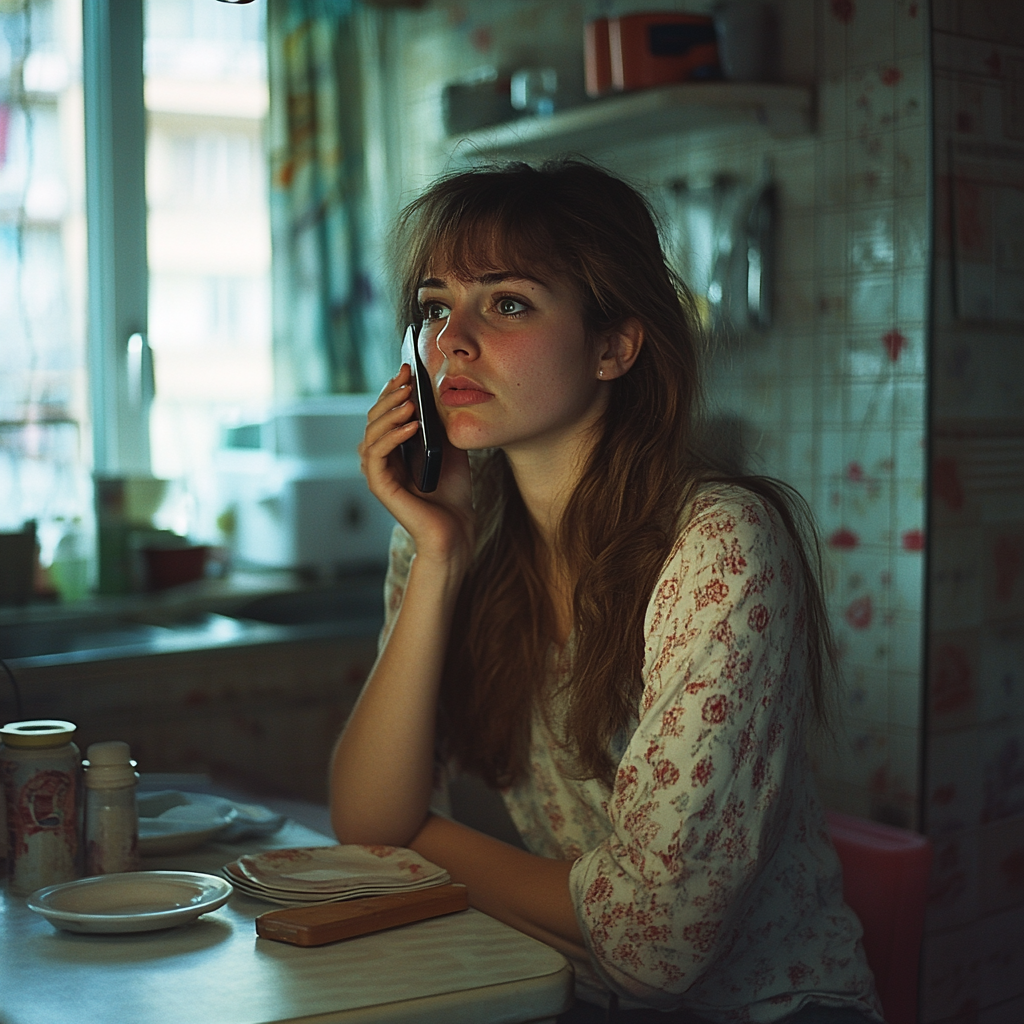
[400,556]
[700,800]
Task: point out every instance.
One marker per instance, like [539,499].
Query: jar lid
[43,732]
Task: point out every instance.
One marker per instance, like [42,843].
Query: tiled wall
[974,779]
[834,395]
[264,717]
[832,398]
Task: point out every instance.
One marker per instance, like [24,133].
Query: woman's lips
[458,391]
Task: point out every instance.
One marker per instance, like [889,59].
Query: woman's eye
[509,307]
[434,311]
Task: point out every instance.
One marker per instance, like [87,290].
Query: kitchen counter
[249,685]
[243,610]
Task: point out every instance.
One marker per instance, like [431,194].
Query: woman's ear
[619,349]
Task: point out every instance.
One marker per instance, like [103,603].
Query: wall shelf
[781,110]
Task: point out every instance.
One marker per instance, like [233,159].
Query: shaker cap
[41,732]
[109,765]
[108,752]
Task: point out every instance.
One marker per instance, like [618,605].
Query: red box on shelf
[597,58]
[646,50]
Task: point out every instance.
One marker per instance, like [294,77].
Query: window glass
[208,239]
[45,449]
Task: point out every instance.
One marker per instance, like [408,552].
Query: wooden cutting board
[332,922]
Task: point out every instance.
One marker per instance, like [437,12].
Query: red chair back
[885,883]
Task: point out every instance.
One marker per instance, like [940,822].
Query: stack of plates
[323,874]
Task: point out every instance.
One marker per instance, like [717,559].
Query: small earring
[600,373]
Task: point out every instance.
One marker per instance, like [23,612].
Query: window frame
[119,361]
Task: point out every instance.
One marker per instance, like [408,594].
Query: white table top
[462,967]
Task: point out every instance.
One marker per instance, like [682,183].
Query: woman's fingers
[440,522]
[391,409]
[378,455]
[399,415]
[390,421]
[396,390]
[393,390]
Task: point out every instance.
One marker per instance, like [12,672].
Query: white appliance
[296,493]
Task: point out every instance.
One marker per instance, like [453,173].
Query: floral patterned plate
[337,871]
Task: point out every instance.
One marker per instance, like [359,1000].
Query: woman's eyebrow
[494,277]
[508,275]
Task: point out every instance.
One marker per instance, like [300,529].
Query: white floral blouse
[705,879]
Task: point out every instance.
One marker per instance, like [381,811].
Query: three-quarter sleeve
[400,555]
[700,801]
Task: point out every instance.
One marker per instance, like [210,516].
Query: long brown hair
[572,219]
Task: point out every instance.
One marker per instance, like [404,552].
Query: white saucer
[173,822]
[252,820]
[135,901]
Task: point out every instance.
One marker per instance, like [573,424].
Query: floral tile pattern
[847,423]
[974,777]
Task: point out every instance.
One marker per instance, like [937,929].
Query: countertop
[243,610]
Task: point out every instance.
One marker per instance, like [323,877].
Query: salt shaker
[39,770]
[111,817]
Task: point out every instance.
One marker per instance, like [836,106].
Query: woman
[589,616]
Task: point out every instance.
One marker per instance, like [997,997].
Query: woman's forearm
[382,767]
[527,892]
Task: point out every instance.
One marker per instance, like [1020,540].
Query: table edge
[535,995]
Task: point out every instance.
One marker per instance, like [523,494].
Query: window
[208,254]
[45,452]
[208,238]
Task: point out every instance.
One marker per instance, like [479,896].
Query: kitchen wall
[263,717]
[832,398]
[974,949]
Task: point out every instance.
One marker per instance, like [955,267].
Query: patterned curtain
[316,156]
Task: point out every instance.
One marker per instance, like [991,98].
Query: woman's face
[510,360]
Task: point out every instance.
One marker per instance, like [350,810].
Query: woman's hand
[441,523]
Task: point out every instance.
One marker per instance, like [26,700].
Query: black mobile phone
[422,452]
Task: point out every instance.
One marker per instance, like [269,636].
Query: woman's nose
[457,336]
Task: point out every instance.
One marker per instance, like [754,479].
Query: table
[465,967]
